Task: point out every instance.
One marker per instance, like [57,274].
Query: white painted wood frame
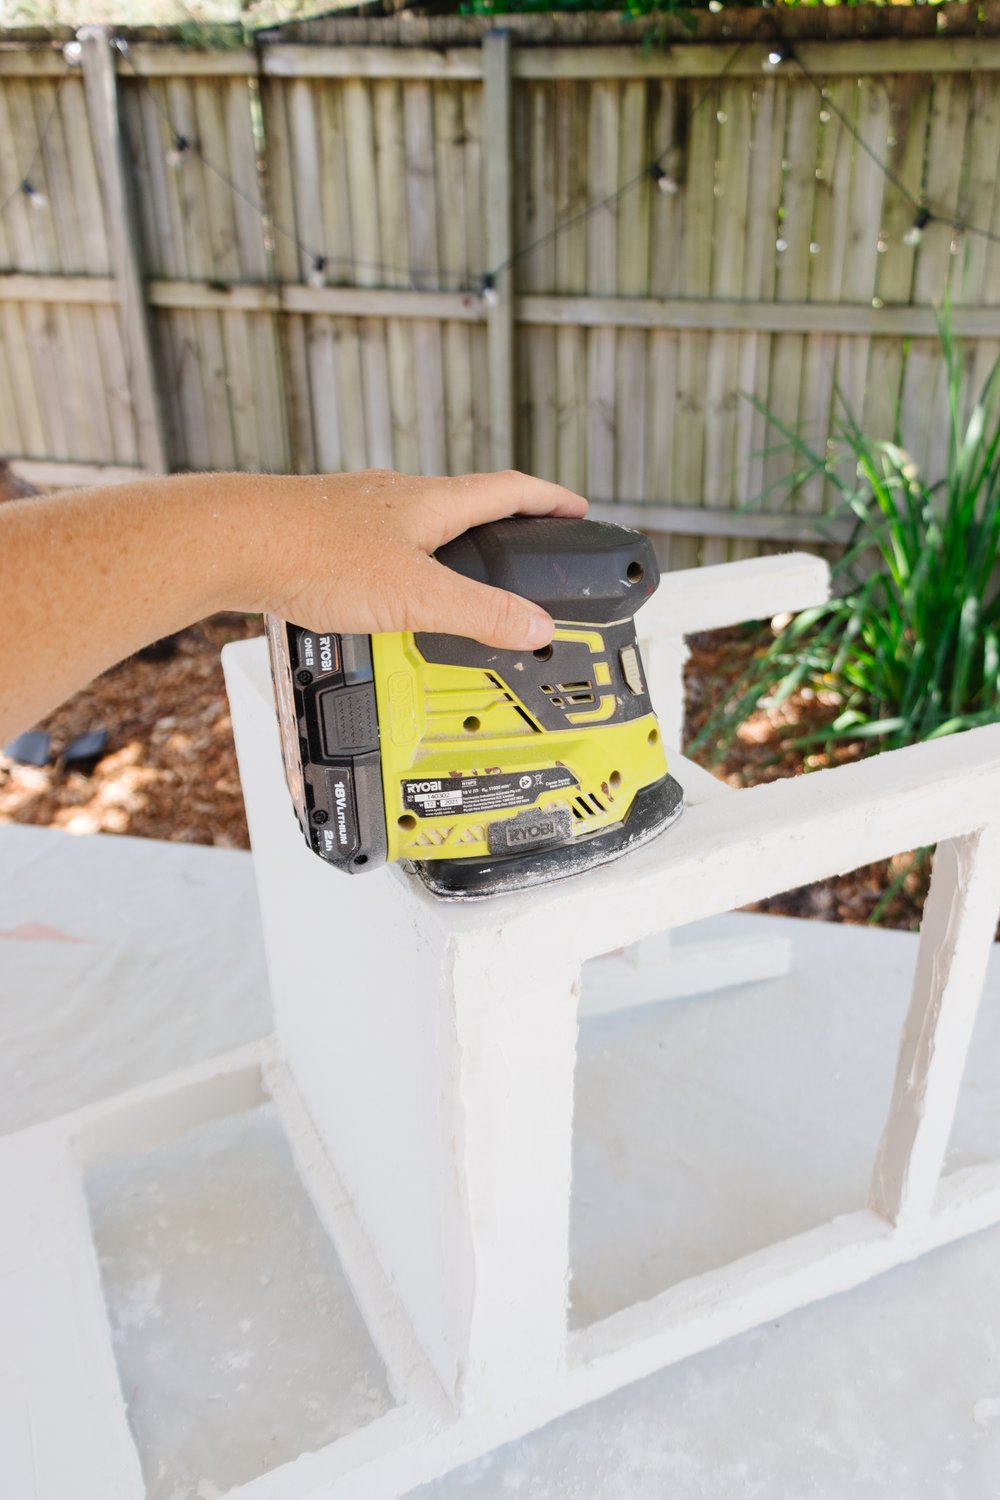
[423,1070]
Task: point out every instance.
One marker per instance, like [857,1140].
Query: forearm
[87,578]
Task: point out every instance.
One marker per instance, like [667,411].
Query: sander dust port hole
[634,572]
[471,724]
[615,779]
[407,822]
[544,653]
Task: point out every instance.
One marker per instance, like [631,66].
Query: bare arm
[88,577]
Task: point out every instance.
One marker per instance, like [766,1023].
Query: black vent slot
[563,693]
[536,728]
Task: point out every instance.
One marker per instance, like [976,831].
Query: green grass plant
[909,644]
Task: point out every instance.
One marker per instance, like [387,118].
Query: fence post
[498,150]
[101,87]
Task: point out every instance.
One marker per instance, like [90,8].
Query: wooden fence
[274,257]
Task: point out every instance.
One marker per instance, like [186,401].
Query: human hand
[352,553]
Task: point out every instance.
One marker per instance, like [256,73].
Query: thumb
[454,605]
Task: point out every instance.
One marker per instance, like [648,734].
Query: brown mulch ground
[170,770]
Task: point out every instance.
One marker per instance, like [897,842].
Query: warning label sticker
[449,795]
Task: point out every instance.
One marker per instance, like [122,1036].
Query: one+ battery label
[438,797]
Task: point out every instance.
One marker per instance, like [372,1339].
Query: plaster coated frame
[473,1010]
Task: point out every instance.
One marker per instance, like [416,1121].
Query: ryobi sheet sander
[487,770]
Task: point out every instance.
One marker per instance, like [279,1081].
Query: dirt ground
[170,769]
[892,891]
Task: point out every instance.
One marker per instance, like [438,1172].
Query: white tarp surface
[120,960]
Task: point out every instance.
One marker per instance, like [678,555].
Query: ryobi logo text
[309,645]
[530,833]
[424,786]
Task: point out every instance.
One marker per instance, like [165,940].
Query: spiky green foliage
[910,642]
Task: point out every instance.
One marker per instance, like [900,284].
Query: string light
[179,153]
[663,180]
[37,199]
[915,233]
[668,181]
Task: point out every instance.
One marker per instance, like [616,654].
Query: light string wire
[321,263]
[653,170]
[183,145]
[924,214]
[25,188]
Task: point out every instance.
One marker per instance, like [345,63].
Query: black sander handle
[590,571]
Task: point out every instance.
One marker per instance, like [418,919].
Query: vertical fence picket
[602,277]
[390,187]
[284,255]
[475,239]
[862,255]
[909,102]
[452,221]
[536,399]
[96,261]
[793,261]
[632,281]
[828,248]
[87,397]
[571,196]
[103,107]
[421,186]
[732,206]
[348,265]
[497,145]
[371,254]
[698,207]
[664,264]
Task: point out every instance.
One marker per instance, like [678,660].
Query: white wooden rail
[426,1087]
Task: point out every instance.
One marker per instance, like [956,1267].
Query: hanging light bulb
[915,233]
[72,54]
[663,180]
[776,55]
[33,196]
[178,153]
[490,294]
[317,271]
